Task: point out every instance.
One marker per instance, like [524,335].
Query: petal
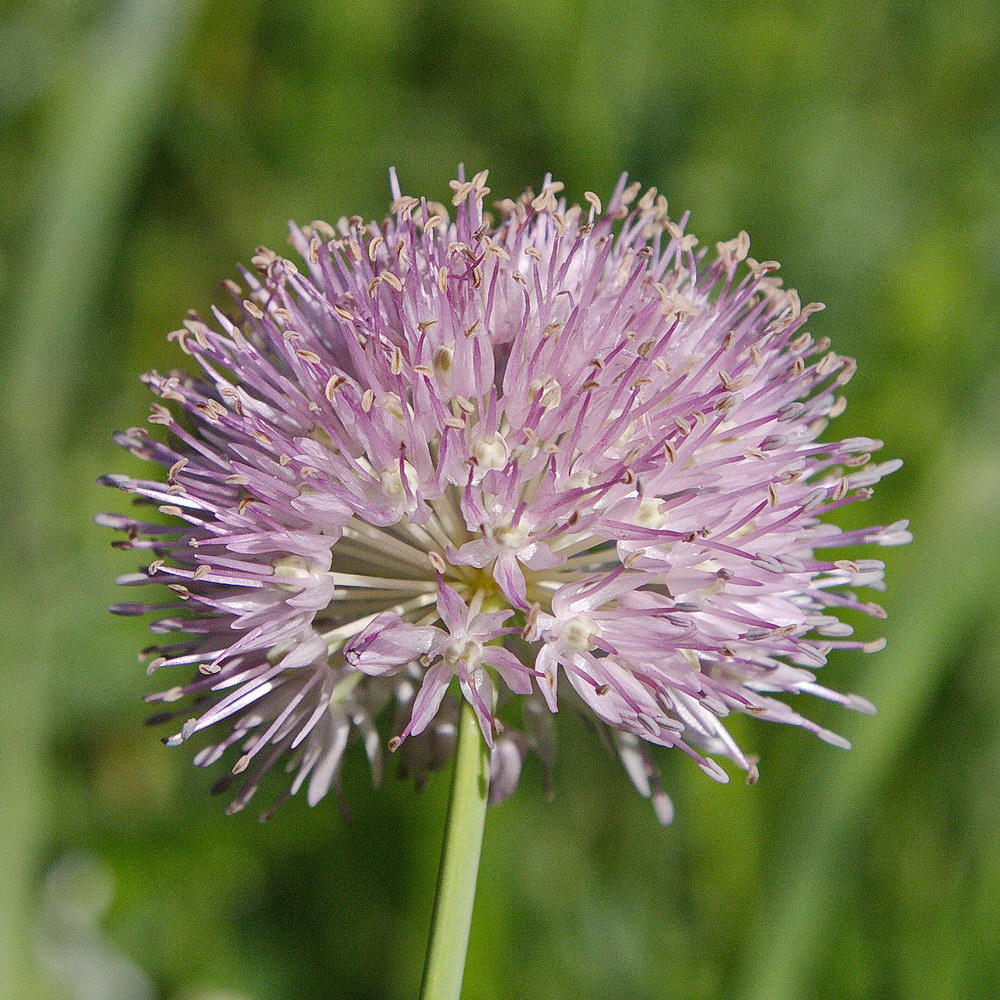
[476,553]
[428,699]
[478,691]
[388,643]
[309,650]
[325,772]
[489,626]
[514,673]
[547,662]
[620,699]
[540,556]
[453,610]
[313,597]
[324,510]
[508,575]
[505,768]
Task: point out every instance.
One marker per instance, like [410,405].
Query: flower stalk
[456,889]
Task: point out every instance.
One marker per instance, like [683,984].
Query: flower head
[560,457]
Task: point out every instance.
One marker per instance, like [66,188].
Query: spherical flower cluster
[557,457]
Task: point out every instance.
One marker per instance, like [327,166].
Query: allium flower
[559,457]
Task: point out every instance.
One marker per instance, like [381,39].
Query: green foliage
[149,146]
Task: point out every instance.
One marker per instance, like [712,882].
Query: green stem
[456,889]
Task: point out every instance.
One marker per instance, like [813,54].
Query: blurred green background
[149,146]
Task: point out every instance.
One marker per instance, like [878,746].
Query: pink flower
[561,458]
[459,650]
